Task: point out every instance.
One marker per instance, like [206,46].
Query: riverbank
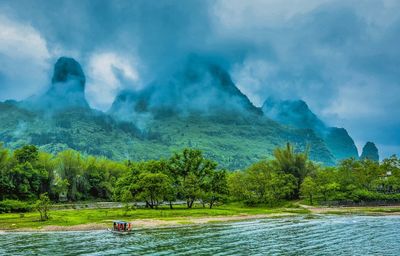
[100,219]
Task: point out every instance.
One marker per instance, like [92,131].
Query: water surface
[301,235]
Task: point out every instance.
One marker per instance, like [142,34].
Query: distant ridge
[197,106]
[296,113]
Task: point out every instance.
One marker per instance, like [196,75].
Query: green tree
[216,188]
[388,181]
[28,153]
[6,184]
[127,198]
[308,188]
[297,164]
[261,183]
[59,187]
[47,165]
[153,188]
[129,181]
[191,187]
[43,206]
[70,166]
[189,169]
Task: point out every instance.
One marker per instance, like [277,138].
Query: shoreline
[152,223]
[146,223]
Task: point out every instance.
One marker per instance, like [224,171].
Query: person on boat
[115,226]
[125,226]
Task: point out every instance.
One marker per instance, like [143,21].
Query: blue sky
[341,57]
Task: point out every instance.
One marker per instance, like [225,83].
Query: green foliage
[261,184]
[28,153]
[356,181]
[215,188]
[190,170]
[14,206]
[60,187]
[153,188]
[185,176]
[42,206]
[234,142]
[289,162]
[308,188]
[189,175]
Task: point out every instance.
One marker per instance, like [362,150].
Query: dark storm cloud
[340,56]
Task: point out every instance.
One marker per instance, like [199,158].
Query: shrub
[14,206]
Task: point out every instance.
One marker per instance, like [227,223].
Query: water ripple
[324,235]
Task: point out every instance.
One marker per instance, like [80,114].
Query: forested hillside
[198,106]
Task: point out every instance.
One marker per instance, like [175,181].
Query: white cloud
[109,73]
[24,61]
[252,14]
[361,98]
[251,77]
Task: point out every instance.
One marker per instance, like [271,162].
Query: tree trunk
[190,203]
[170,204]
[211,204]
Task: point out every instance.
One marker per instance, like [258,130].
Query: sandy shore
[152,223]
[160,223]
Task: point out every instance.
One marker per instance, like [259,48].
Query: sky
[341,57]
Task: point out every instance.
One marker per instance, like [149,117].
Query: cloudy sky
[341,57]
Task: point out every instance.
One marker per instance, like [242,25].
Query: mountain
[296,113]
[292,112]
[370,151]
[197,106]
[67,88]
[201,88]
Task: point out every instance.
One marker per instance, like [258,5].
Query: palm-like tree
[297,164]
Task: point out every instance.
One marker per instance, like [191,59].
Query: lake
[300,235]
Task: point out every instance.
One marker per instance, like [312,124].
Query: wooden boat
[121,227]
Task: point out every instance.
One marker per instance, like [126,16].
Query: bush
[14,206]
[365,195]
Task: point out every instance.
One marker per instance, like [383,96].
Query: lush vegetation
[291,175]
[27,174]
[355,181]
[234,142]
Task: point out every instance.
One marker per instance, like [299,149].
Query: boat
[121,227]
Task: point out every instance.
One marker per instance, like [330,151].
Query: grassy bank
[180,214]
[88,219]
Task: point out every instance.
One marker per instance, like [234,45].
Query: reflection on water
[327,235]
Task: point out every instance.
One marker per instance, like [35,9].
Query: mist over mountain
[67,89]
[292,112]
[201,87]
[340,57]
[296,113]
[197,105]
